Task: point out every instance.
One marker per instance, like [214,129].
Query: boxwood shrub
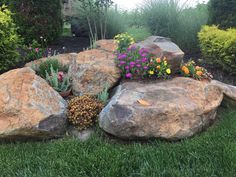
[219,47]
[9,40]
[37,19]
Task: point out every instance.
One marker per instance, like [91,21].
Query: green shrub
[45,67]
[37,19]
[222,13]
[9,40]
[219,47]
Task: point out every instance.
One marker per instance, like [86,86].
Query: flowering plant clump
[159,68]
[133,63]
[123,40]
[34,51]
[190,69]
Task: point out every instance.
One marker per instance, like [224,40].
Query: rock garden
[136,102]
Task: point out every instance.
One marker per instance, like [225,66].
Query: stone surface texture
[172,110]
[29,107]
[164,47]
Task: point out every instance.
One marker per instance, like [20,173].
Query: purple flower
[133,47]
[122,56]
[127,67]
[138,61]
[122,62]
[143,54]
[132,63]
[145,67]
[144,60]
[128,75]
[138,65]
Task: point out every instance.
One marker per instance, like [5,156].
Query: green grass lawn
[210,154]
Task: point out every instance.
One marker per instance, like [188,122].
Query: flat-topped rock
[29,107]
[164,47]
[172,110]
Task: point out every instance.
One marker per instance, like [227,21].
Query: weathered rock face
[96,68]
[29,107]
[229,92]
[171,110]
[163,47]
[107,45]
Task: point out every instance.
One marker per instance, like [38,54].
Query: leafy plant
[58,80]
[219,47]
[124,40]
[190,69]
[222,13]
[104,95]
[83,111]
[159,68]
[45,67]
[33,51]
[9,40]
[37,19]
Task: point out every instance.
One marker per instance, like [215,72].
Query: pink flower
[128,75]
[36,50]
[60,76]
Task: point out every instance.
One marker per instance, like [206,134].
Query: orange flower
[199,73]
[158,60]
[198,68]
[186,71]
[183,68]
[158,67]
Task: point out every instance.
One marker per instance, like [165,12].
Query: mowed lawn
[210,154]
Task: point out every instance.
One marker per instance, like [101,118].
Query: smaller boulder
[29,107]
[164,47]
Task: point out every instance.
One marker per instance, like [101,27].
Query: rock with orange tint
[92,71]
[171,110]
[29,107]
[107,45]
[163,47]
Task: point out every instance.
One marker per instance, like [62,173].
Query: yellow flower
[151,72]
[158,67]
[165,63]
[168,71]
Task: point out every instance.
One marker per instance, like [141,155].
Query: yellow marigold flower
[186,70]
[158,67]
[168,71]
[151,72]
[158,60]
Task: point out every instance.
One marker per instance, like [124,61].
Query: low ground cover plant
[83,111]
[190,69]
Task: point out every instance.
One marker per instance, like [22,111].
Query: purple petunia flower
[143,54]
[138,61]
[122,56]
[127,67]
[144,60]
[145,67]
[132,63]
[122,62]
[128,75]
[138,65]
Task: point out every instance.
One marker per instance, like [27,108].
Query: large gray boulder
[172,110]
[29,107]
[164,47]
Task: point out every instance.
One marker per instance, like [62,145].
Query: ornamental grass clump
[190,69]
[83,111]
